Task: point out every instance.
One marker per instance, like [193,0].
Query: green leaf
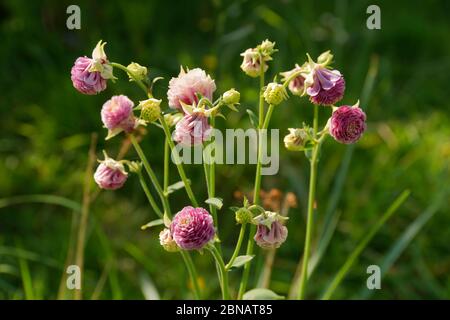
[217,202]
[241,260]
[153,223]
[253,118]
[174,187]
[261,294]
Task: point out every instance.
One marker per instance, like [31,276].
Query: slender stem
[166,165]
[138,82]
[212,178]
[238,246]
[151,174]
[192,273]
[263,122]
[150,198]
[223,272]
[310,214]
[179,164]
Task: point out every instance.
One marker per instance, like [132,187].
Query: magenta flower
[89,75]
[110,174]
[270,238]
[85,81]
[192,228]
[347,124]
[325,87]
[192,130]
[185,87]
[117,115]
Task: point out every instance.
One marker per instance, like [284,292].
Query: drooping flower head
[110,174]
[167,242]
[255,59]
[192,228]
[296,85]
[347,124]
[270,232]
[324,86]
[89,75]
[117,115]
[185,87]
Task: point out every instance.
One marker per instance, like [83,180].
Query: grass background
[46,126]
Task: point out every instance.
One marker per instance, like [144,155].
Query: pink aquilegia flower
[326,86]
[110,174]
[193,129]
[270,233]
[347,124]
[296,85]
[192,228]
[117,115]
[89,75]
[183,89]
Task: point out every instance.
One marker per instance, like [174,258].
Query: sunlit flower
[185,87]
[347,124]
[192,228]
[117,115]
[275,93]
[110,174]
[89,75]
[193,129]
[324,86]
[150,109]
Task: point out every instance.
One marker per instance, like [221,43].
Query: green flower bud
[244,215]
[139,72]
[231,97]
[150,109]
[296,139]
[275,93]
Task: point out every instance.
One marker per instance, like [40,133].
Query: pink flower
[192,228]
[325,87]
[85,81]
[110,174]
[347,124]
[273,237]
[89,75]
[192,130]
[296,85]
[185,87]
[117,115]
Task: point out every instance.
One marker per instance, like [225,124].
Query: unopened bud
[275,93]
[150,109]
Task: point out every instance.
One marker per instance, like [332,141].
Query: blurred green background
[46,127]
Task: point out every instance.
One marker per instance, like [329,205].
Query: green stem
[150,198]
[192,273]
[263,123]
[166,165]
[179,164]
[151,174]
[223,272]
[310,214]
[238,246]
[138,82]
[212,178]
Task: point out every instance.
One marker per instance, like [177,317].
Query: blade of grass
[26,279]
[407,236]
[41,198]
[363,244]
[79,255]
